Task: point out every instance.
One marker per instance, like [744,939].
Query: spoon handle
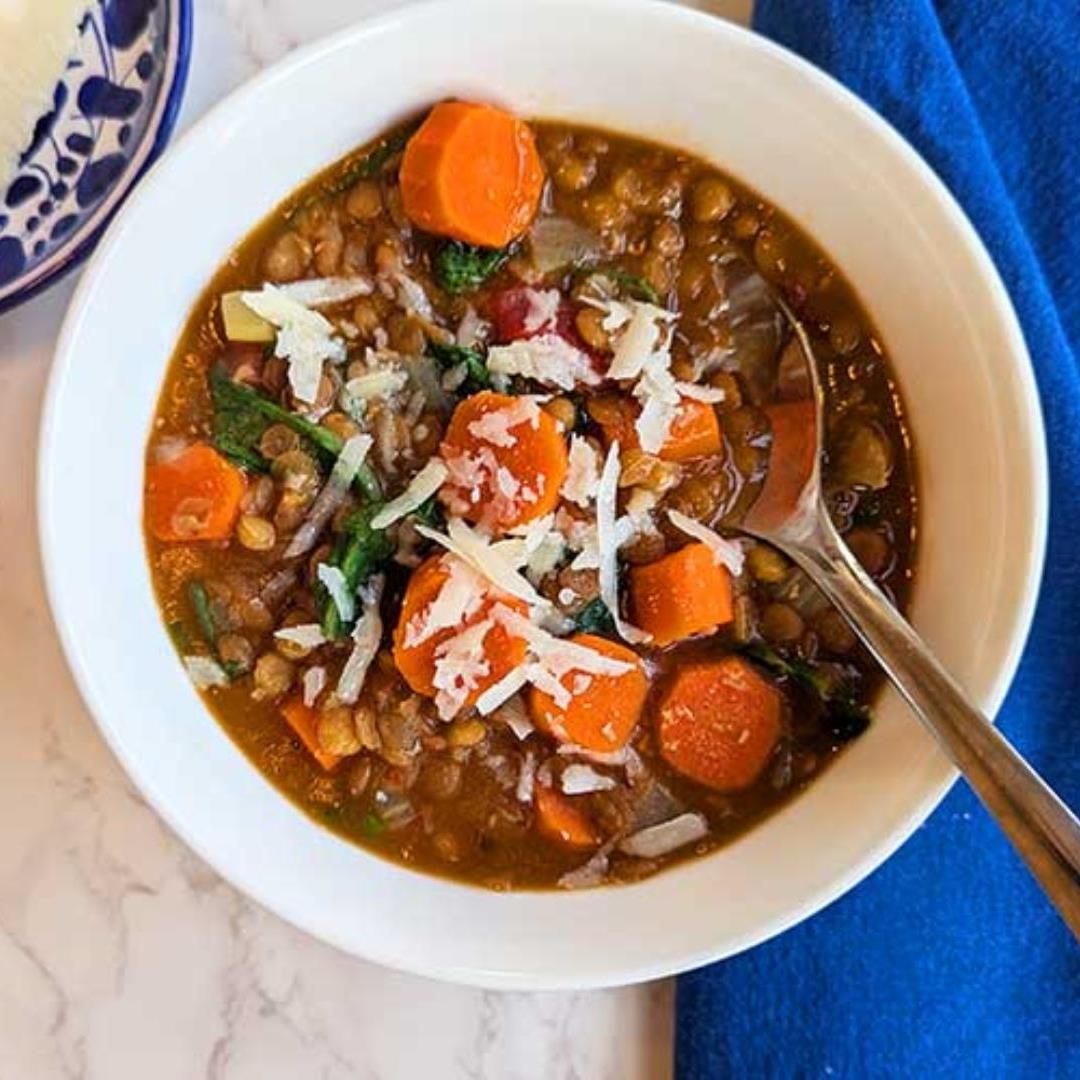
[1041,827]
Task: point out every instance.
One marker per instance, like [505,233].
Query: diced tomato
[508,311]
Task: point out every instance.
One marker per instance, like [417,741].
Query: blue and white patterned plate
[113,111]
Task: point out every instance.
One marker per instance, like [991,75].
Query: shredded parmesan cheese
[547,358]
[582,474]
[422,486]
[305,636]
[460,596]
[580,779]
[728,553]
[460,664]
[313,684]
[660,839]
[319,292]
[304,338]
[366,637]
[205,672]
[485,559]
[334,581]
[501,692]
[608,546]
[526,778]
[494,426]
[711,395]
[542,311]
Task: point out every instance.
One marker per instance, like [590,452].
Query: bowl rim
[610,972]
[80,244]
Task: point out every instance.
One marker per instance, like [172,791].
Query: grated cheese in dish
[547,358]
[313,684]
[422,486]
[205,672]
[485,558]
[460,664]
[37,37]
[494,426]
[305,636]
[727,553]
[543,310]
[366,636]
[608,546]
[304,338]
[462,593]
[334,581]
[582,474]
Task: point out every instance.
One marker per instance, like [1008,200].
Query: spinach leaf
[431,513]
[477,375]
[358,552]
[462,268]
[374,161]
[845,715]
[633,285]
[242,414]
[372,825]
[200,604]
[594,618]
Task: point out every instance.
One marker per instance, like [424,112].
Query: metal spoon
[1040,826]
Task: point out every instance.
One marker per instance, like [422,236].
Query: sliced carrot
[501,485]
[416,662]
[193,496]
[682,594]
[791,459]
[695,431]
[304,720]
[472,172]
[718,723]
[558,819]
[603,709]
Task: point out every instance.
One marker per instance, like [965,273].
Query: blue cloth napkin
[948,960]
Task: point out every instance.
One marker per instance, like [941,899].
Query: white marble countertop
[122,955]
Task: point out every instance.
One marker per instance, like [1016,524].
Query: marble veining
[122,955]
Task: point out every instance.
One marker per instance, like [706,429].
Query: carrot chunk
[718,723]
[472,172]
[304,720]
[682,594]
[791,459]
[504,470]
[193,496]
[603,709]
[695,431]
[558,819]
[416,660]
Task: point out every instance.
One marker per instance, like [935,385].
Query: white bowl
[661,72]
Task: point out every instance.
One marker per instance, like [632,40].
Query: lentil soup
[443,489]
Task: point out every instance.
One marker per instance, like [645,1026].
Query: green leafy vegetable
[375,160]
[200,604]
[477,375]
[359,551]
[431,513]
[372,825]
[846,715]
[241,415]
[462,268]
[594,618]
[634,286]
